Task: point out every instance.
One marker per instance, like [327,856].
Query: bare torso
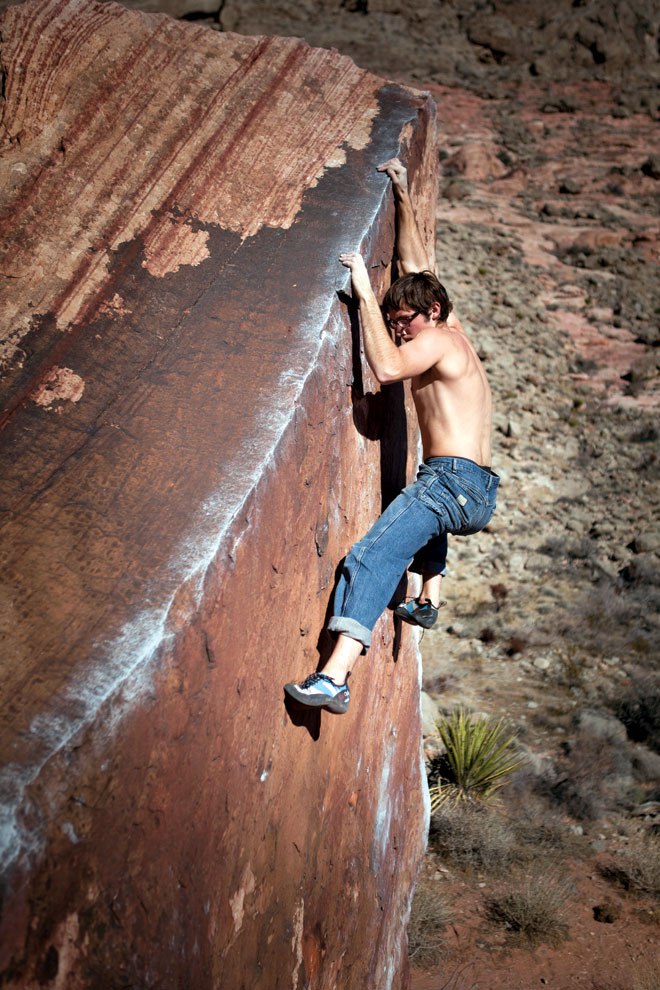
[453,401]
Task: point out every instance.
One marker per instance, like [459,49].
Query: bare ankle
[337,675]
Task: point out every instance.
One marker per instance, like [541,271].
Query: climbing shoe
[320,691]
[418,613]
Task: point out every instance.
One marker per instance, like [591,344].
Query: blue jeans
[450,495]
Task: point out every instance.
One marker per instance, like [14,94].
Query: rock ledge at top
[190,442]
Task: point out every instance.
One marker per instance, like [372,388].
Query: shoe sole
[412,621]
[316,700]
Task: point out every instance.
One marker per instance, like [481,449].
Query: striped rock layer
[190,442]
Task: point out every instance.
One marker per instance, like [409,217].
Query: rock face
[190,443]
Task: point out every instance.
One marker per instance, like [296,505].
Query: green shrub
[478,759]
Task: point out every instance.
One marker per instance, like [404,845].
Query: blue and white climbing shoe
[320,691]
[418,613]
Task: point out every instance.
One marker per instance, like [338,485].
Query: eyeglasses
[403,322]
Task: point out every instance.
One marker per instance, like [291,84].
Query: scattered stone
[651,167]
[558,106]
[649,809]
[542,663]
[649,335]
[476,161]
[646,764]
[642,369]
[456,190]
[644,569]
[502,320]
[600,725]
[570,187]
[648,542]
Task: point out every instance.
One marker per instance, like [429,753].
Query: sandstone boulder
[190,442]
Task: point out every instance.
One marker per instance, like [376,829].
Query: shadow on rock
[301,715]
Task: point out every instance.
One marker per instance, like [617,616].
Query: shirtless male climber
[455,488]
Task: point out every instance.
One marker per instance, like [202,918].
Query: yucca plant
[478,758]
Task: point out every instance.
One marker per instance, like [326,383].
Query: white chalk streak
[122,670]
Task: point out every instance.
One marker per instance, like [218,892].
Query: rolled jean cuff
[350,627]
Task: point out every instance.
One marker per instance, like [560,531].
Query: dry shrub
[500,593]
[637,867]
[611,616]
[516,645]
[595,776]
[616,615]
[562,548]
[473,837]
[534,910]
[440,683]
[542,836]
[572,666]
[541,833]
[638,708]
[428,919]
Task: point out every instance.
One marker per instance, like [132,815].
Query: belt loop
[453,464]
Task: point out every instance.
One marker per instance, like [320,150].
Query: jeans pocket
[471,490]
[464,508]
[441,500]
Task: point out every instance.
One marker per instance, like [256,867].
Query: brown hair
[418,290]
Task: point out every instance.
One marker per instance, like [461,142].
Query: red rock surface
[190,443]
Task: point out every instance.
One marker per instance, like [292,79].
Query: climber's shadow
[378,416]
[309,718]
[381,416]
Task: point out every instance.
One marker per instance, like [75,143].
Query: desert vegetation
[476,835]
[533,910]
[428,919]
[476,760]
